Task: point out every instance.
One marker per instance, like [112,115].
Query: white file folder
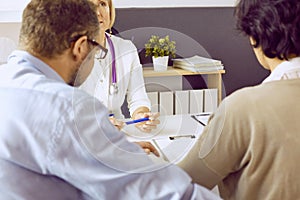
[153,97]
[196,101]
[166,103]
[210,100]
[182,102]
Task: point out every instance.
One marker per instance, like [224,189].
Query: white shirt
[56,142]
[130,79]
[286,70]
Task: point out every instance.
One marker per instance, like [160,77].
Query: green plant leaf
[160,46]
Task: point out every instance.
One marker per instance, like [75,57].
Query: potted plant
[160,48]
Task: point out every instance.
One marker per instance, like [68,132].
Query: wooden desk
[214,78]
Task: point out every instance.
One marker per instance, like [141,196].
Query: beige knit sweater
[251,147]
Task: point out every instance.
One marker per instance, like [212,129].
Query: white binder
[166,103]
[153,97]
[196,101]
[182,102]
[210,100]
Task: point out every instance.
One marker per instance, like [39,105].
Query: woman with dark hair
[251,144]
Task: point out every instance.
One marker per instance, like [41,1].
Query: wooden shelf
[214,78]
[149,72]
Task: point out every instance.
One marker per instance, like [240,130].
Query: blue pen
[137,120]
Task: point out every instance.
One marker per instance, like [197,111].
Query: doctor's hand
[118,124]
[147,126]
[148,148]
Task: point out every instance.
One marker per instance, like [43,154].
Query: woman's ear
[80,48]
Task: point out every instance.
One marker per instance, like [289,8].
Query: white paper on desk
[134,134]
[169,125]
[174,150]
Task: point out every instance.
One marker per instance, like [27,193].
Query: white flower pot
[160,63]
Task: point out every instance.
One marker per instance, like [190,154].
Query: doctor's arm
[138,101]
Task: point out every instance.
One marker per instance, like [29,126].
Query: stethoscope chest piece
[113,89]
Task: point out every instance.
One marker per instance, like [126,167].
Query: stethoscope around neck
[113,87]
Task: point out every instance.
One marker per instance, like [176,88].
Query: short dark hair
[273,24]
[48,26]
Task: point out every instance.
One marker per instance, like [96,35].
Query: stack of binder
[198,64]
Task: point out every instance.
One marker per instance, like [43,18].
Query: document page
[173,137]
[174,150]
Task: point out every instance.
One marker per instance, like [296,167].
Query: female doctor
[119,74]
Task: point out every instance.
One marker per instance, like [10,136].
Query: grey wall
[213,28]
[10,30]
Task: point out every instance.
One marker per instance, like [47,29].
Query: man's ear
[79,48]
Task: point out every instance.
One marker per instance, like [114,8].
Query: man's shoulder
[68,93]
[58,92]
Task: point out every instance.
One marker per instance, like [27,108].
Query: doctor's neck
[102,38]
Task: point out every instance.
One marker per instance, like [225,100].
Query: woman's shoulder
[122,42]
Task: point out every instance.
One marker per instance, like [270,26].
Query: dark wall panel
[212,28]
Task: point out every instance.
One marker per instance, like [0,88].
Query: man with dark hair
[251,145]
[56,141]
